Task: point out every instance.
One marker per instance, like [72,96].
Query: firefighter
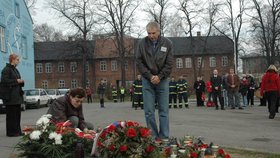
[115,94]
[182,87]
[172,92]
[138,95]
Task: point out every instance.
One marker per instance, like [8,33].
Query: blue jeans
[150,93]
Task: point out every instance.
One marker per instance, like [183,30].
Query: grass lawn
[239,153]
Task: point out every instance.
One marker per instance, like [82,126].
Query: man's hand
[155,80]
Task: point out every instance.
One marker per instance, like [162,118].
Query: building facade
[16,36]
[105,63]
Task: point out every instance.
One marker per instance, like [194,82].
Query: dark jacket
[61,109]
[233,80]
[199,86]
[101,88]
[137,86]
[172,87]
[216,82]
[158,62]
[9,78]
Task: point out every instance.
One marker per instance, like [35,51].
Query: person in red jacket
[271,88]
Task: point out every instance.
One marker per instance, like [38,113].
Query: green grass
[240,153]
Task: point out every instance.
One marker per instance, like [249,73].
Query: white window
[39,68]
[45,84]
[179,63]
[212,62]
[114,65]
[188,62]
[87,66]
[224,61]
[61,84]
[88,82]
[48,67]
[61,67]
[103,65]
[73,66]
[73,83]
[126,65]
[2,39]
[17,10]
[200,63]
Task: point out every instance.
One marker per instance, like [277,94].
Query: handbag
[5,91]
[203,96]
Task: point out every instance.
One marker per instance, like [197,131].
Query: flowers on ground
[52,140]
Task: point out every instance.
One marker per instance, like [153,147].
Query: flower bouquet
[126,139]
[52,140]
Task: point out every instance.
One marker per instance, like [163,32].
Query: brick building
[104,62]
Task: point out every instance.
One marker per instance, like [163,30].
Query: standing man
[217,82]
[182,87]
[251,89]
[199,87]
[101,92]
[172,92]
[89,93]
[154,62]
[122,94]
[115,94]
[233,83]
[138,95]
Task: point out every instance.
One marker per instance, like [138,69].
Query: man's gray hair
[152,25]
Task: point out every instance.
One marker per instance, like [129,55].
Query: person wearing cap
[271,88]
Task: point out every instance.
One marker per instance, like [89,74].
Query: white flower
[58,139]
[52,135]
[35,135]
[47,116]
[43,121]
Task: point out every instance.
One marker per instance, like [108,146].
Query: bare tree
[118,19]
[30,4]
[79,15]
[266,25]
[46,33]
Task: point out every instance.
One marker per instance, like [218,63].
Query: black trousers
[174,98]
[250,97]
[216,95]
[138,100]
[199,100]
[271,98]
[89,99]
[13,116]
[182,96]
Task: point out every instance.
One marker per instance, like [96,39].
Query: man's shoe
[232,108]
[271,116]
[240,108]
[223,109]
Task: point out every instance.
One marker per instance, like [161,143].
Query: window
[179,63]
[17,10]
[224,61]
[73,66]
[2,39]
[212,62]
[87,82]
[73,83]
[103,65]
[39,68]
[114,65]
[61,84]
[87,66]
[45,84]
[200,63]
[48,67]
[60,67]
[188,62]
[24,47]
[126,65]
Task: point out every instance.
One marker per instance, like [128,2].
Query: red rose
[203,146]
[145,132]
[221,152]
[103,134]
[167,151]
[227,156]
[99,144]
[150,148]
[123,148]
[111,147]
[131,132]
[129,123]
[111,128]
[193,155]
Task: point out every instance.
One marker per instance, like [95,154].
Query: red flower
[193,155]
[145,132]
[221,152]
[131,123]
[123,148]
[167,151]
[227,156]
[103,134]
[111,128]
[203,146]
[150,148]
[131,132]
[111,147]
[99,144]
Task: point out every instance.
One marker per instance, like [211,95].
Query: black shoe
[271,116]
[15,135]
[240,108]
[232,108]
[223,109]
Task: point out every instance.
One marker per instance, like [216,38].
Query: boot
[102,103]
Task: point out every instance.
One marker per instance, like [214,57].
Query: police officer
[115,94]
[138,95]
[122,92]
[172,92]
[182,86]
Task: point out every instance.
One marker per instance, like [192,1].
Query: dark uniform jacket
[9,78]
[101,89]
[137,85]
[62,109]
[199,86]
[155,62]
[216,82]
[172,87]
[182,86]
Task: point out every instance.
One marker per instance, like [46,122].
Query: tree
[266,26]
[46,33]
[30,4]
[79,15]
[117,16]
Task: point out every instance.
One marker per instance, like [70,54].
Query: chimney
[198,33]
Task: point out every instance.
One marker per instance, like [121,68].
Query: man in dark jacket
[217,82]
[69,107]
[182,89]
[199,86]
[154,61]
[101,92]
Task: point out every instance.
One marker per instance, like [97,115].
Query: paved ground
[246,129]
